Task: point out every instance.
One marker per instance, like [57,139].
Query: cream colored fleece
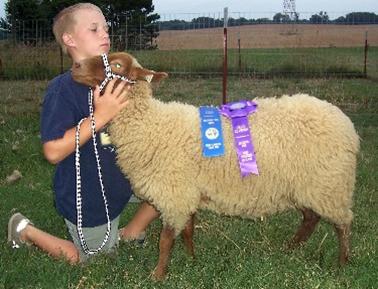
[305,148]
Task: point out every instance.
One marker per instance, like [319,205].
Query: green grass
[309,62]
[20,62]
[230,252]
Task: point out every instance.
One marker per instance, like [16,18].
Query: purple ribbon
[238,113]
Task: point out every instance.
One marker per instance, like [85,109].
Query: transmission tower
[289,9]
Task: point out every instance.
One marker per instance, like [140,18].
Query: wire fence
[260,45]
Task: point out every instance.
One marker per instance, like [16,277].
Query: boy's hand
[110,103]
[106,107]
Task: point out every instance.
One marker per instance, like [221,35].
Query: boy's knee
[73,256]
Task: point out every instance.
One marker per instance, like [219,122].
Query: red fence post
[225,20]
[365,54]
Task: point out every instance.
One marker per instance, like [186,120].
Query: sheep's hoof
[292,245]
[343,260]
[158,274]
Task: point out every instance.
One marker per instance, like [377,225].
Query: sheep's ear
[148,75]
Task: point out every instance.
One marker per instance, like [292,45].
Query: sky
[256,8]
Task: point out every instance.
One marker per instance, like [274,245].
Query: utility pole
[289,9]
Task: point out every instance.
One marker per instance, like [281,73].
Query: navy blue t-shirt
[65,104]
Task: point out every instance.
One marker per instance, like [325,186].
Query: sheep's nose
[77,65]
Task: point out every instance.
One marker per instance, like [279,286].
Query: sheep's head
[91,72]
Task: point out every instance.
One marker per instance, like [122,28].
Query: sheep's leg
[343,233]
[167,239]
[310,219]
[187,235]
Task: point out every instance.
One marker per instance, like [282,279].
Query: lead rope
[108,76]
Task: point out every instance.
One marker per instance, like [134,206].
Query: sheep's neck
[133,123]
[139,98]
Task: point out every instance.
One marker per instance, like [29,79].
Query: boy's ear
[145,74]
[68,40]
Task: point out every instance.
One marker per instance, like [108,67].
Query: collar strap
[110,75]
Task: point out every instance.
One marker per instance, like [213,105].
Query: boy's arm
[106,107]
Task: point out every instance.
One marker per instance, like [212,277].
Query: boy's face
[89,36]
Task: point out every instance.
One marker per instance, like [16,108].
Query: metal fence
[259,45]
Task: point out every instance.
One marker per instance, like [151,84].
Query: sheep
[306,152]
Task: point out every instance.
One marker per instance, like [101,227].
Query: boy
[82,32]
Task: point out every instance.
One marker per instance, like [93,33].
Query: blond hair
[65,21]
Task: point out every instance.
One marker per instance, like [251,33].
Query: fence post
[140,32]
[36,32]
[366,54]
[111,31]
[126,35]
[239,49]
[13,27]
[225,19]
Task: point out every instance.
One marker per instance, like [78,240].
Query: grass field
[230,252]
[265,63]
[38,63]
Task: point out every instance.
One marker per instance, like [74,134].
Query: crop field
[270,36]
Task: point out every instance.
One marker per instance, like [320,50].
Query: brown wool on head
[91,72]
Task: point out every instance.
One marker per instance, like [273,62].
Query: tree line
[322,17]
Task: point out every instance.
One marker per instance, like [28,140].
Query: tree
[281,18]
[361,18]
[340,20]
[4,24]
[173,25]
[322,17]
[263,20]
[50,8]
[244,21]
[132,23]
[4,30]
[17,11]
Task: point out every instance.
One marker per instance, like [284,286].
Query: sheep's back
[305,149]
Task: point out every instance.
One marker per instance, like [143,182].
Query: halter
[108,76]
